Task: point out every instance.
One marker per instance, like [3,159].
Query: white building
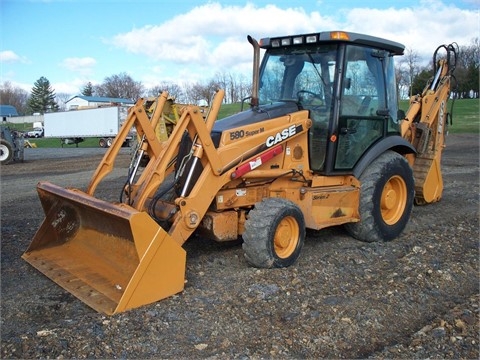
[82,102]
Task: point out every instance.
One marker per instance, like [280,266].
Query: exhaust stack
[256,70]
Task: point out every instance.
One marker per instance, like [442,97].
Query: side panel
[324,207]
[83,123]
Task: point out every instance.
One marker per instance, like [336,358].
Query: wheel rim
[394,200]
[3,152]
[286,237]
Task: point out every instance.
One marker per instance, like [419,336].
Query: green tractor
[11,145]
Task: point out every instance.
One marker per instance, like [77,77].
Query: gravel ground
[414,297]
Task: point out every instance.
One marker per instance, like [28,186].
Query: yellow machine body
[264,175]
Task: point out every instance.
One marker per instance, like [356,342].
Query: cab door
[363,108]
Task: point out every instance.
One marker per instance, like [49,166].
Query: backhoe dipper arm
[425,127]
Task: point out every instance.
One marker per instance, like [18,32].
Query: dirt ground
[414,297]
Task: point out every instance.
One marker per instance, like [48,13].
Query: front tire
[386,199]
[6,152]
[274,234]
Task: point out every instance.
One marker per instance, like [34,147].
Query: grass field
[56,143]
[466,119]
[465,115]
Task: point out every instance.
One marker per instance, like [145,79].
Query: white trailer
[73,126]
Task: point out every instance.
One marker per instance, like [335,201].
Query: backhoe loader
[322,144]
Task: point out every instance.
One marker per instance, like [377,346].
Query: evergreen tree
[87,89]
[420,81]
[42,97]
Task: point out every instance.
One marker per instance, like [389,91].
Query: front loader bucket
[111,256]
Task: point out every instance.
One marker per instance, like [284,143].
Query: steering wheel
[311,100]
[311,96]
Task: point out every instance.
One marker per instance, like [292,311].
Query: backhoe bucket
[111,256]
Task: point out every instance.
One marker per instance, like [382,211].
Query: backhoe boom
[425,127]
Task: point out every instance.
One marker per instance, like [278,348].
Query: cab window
[361,120]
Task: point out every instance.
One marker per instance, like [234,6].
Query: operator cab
[347,83]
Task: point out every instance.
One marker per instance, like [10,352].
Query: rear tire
[274,234]
[6,152]
[102,143]
[386,199]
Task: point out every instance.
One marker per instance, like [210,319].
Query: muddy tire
[386,199]
[274,234]
[6,152]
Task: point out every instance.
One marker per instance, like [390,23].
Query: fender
[395,143]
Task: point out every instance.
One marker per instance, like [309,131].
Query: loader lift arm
[145,128]
[425,127]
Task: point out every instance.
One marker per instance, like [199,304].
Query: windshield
[304,75]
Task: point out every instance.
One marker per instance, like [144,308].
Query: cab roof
[332,36]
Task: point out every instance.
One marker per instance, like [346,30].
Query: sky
[72,42]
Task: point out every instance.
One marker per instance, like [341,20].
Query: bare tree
[411,68]
[197,93]
[14,96]
[224,80]
[174,90]
[193,93]
[244,86]
[402,82]
[236,86]
[467,70]
[120,86]
[398,81]
[62,98]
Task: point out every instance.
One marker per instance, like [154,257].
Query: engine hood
[258,114]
